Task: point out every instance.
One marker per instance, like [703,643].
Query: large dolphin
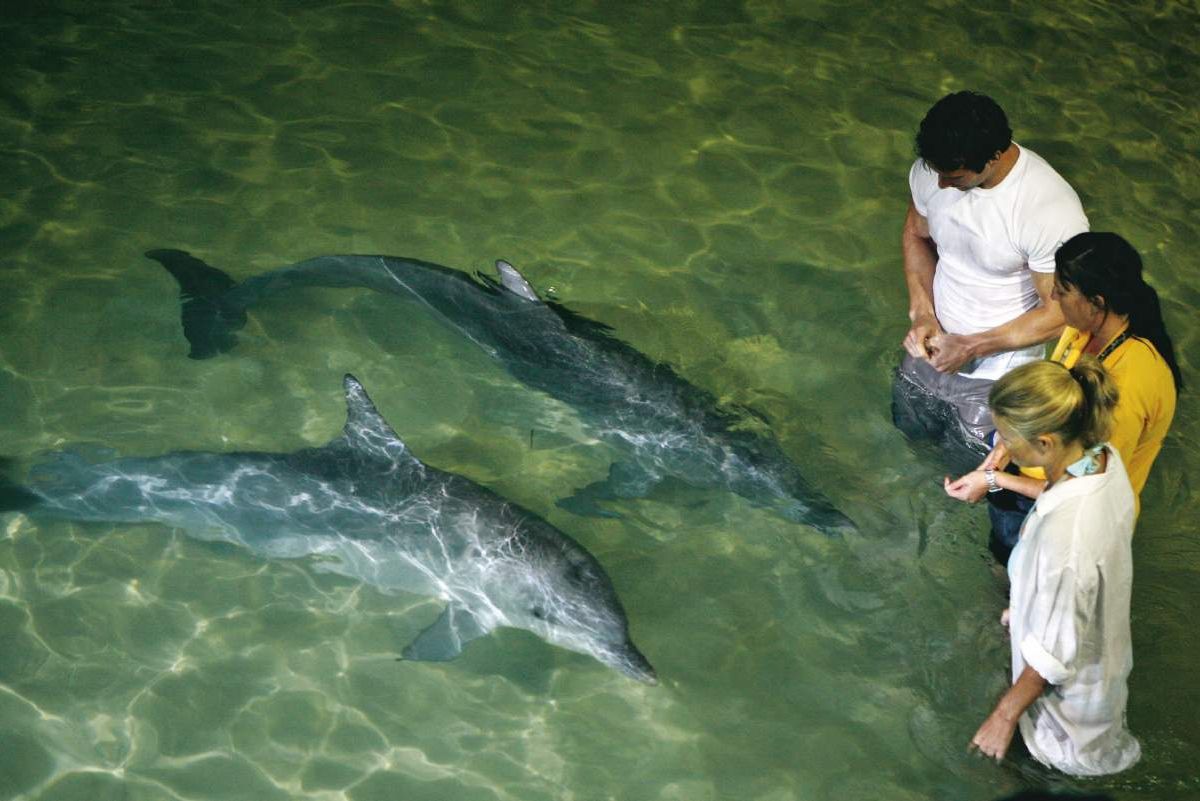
[373,512]
[664,425]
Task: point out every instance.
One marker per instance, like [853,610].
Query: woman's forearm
[995,735]
[1020,484]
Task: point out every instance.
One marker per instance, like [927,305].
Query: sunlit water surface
[721,183]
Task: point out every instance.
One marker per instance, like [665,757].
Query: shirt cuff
[1047,666]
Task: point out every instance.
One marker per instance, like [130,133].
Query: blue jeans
[1007,510]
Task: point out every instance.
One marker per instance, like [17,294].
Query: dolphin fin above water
[514,282]
[661,424]
[367,432]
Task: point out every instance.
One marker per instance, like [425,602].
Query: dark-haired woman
[1072,574]
[1114,315]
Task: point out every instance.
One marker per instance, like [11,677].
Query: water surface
[723,184]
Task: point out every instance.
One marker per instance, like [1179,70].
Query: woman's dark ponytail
[1146,322]
[1103,265]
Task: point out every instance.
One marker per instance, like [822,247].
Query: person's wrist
[917,313]
[974,345]
[1009,710]
[989,476]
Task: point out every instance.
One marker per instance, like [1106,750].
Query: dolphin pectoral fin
[625,480]
[208,321]
[584,502]
[445,637]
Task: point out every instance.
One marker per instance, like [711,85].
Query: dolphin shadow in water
[663,425]
[372,511]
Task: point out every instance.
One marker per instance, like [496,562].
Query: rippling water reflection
[724,185]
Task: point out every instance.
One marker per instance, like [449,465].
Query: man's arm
[920,261]
[1041,323]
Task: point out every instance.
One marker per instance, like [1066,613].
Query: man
[984,221]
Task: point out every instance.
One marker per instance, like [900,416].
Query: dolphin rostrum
[663,425]
[374,512]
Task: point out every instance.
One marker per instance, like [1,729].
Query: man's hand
[924,328]
[970,488]
[949,352]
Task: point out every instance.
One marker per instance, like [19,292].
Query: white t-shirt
[1072,577]
[988,242]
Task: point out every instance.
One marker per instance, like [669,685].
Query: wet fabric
[1072,579]
[990,243]
[945,408]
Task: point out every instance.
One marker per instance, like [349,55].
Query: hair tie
[1071,372]
[1080,415]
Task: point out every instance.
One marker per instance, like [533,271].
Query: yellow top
[1145,407]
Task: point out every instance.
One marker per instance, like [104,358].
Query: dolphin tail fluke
[209,320]
[14,497]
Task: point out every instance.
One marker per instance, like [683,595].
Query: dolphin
[662,425]
[370,510]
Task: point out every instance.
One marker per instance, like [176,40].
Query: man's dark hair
[963,130]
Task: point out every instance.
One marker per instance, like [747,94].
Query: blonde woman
[1071,574]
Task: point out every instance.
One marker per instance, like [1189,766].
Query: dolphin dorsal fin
[366,430]
[514,282]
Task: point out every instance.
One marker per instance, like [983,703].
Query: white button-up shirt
[1072,577]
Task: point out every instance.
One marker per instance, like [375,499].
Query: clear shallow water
[723,185]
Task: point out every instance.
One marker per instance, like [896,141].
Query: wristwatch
[989,475]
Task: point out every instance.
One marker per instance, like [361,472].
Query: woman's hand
[996,733]
[970,488]
[994,736]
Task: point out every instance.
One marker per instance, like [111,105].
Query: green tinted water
[721,183]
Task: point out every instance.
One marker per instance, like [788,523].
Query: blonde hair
[1045,397]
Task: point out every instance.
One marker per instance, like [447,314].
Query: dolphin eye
[538,612]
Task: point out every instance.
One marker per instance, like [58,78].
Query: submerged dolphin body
[372,511]
[662,424]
